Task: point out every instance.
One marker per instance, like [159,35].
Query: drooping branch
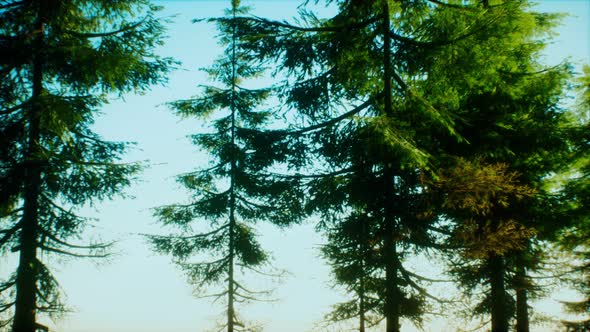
[67,253]
[105,34]
[8,233]
[13,109]
[197,236]
[5,307]
[335,120]
[12,4]
[7,285]
[420,289]
[452,5]
[53,238]
[309,29]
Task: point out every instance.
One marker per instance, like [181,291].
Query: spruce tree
[370,110]
[59,62]
[575,239]
[238,189]
[512,116]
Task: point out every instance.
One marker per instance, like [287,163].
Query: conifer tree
[360,83]
[386,93]
[512,117]
[59,60]
[237,190]
[576,238]
[351,251]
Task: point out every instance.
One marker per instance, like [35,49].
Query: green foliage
[54,80]
[575,239]
[510,116]
[480,194]
[373,107]
[238,189]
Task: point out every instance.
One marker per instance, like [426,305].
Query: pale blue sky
[138,291]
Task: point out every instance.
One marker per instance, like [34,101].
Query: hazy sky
[140,291]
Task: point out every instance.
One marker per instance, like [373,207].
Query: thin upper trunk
[522,313]
[499,302]
[392,299]
[26,289]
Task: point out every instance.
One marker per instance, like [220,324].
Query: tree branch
[4,307]
[334,120]
[14,4]
[74,246]
[13,108]
[67,253]
[8,233]
[104,34]
[304,29]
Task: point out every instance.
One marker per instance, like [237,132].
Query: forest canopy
[423,157]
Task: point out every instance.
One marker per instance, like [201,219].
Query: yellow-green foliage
[479,193]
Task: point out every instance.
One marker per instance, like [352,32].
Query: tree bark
[498,306]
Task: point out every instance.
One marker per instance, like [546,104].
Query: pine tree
[238,190]
[59,61]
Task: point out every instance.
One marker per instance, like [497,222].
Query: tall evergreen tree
[576,238]
[361,83]
[512,116]
[237,190]
[409,66]
[59,61]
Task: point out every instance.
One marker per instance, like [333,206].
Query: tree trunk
[232,199]
[522,314]
[26,277]
[392,300]
[498,305]
[362,306]
[361,293]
